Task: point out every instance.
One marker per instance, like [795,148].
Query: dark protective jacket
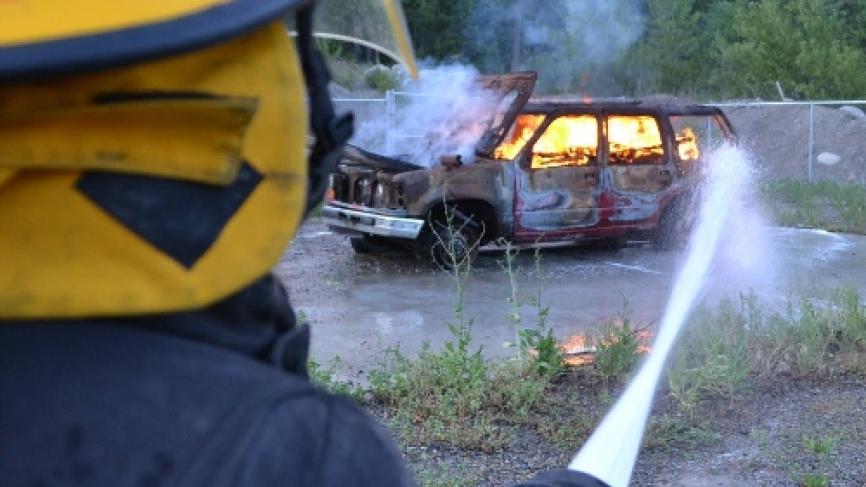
[217,397]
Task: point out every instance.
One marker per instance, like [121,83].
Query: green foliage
[711,49]
[325,377]
[445,476]
[453,395]
[819,446]
[548,359]
[618,349]
[828,205]
[675,47]
[725,349]
[815,480]
[671,431]
[711,359]
[380,78]
[439,27]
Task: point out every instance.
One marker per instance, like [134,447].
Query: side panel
[639,165]
[483,180]
[558,179]
[557,198]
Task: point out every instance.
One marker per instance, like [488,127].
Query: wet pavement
[359,306]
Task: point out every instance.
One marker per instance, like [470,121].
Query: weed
[618,349]
[512,298]
[723,349]
[669,431]
[819,446]
[711,359]
[815,480]
[548,355]
[453,395]
[446,476]
[829,205]
[566,426]
[325,377]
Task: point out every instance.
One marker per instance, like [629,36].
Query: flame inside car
[634,139]
[568,141]
[524,126]
[687,144]
[573,141]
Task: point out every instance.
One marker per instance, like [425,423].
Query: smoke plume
[444,112]
[576,46]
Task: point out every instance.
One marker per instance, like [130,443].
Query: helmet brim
[137,43]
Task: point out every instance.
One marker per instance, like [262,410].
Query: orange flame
[573,140]
[634,139]
[578,349]
[524,127]
[567,141]
[687,145]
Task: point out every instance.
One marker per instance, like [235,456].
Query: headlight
[379,196]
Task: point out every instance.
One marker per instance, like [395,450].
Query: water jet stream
[610,453]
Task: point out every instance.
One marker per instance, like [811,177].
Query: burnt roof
[619,105]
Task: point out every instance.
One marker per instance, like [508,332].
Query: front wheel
[452,247]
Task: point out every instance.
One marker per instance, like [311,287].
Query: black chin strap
[331,132]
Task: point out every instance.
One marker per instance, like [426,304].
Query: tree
[804,44]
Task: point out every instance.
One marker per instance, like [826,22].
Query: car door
[638,162]
[557,179]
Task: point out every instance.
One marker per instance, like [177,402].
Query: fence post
[390,109]
[811,137]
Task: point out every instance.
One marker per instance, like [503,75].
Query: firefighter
[153,167]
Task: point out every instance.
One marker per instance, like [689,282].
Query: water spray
[609,455]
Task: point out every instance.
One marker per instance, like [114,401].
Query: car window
[570,140]
[634,139]
[696,135]
[524,126]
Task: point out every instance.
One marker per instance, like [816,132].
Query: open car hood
[513,91]
[353,154]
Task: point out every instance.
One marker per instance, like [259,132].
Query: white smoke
[573,44]
[443,113]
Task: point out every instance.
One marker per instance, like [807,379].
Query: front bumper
[371,223]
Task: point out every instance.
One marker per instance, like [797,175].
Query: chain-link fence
[803,141]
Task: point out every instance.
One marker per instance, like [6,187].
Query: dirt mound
[778,137]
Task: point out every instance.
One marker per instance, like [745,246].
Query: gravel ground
[774,436]
[768,437]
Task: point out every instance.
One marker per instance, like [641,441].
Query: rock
[828,158]
[853,112]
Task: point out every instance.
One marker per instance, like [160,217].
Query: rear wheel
[675,225]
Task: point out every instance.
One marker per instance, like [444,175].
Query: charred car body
[543,172]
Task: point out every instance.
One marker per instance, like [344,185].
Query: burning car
[543,171]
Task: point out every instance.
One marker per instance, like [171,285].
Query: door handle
[665,172]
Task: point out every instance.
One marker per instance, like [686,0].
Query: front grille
[363,191]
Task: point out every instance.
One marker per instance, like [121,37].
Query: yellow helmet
[152,154]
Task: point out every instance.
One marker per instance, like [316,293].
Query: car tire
[463,241]
[361,245]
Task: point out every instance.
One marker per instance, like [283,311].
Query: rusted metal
[614,193]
